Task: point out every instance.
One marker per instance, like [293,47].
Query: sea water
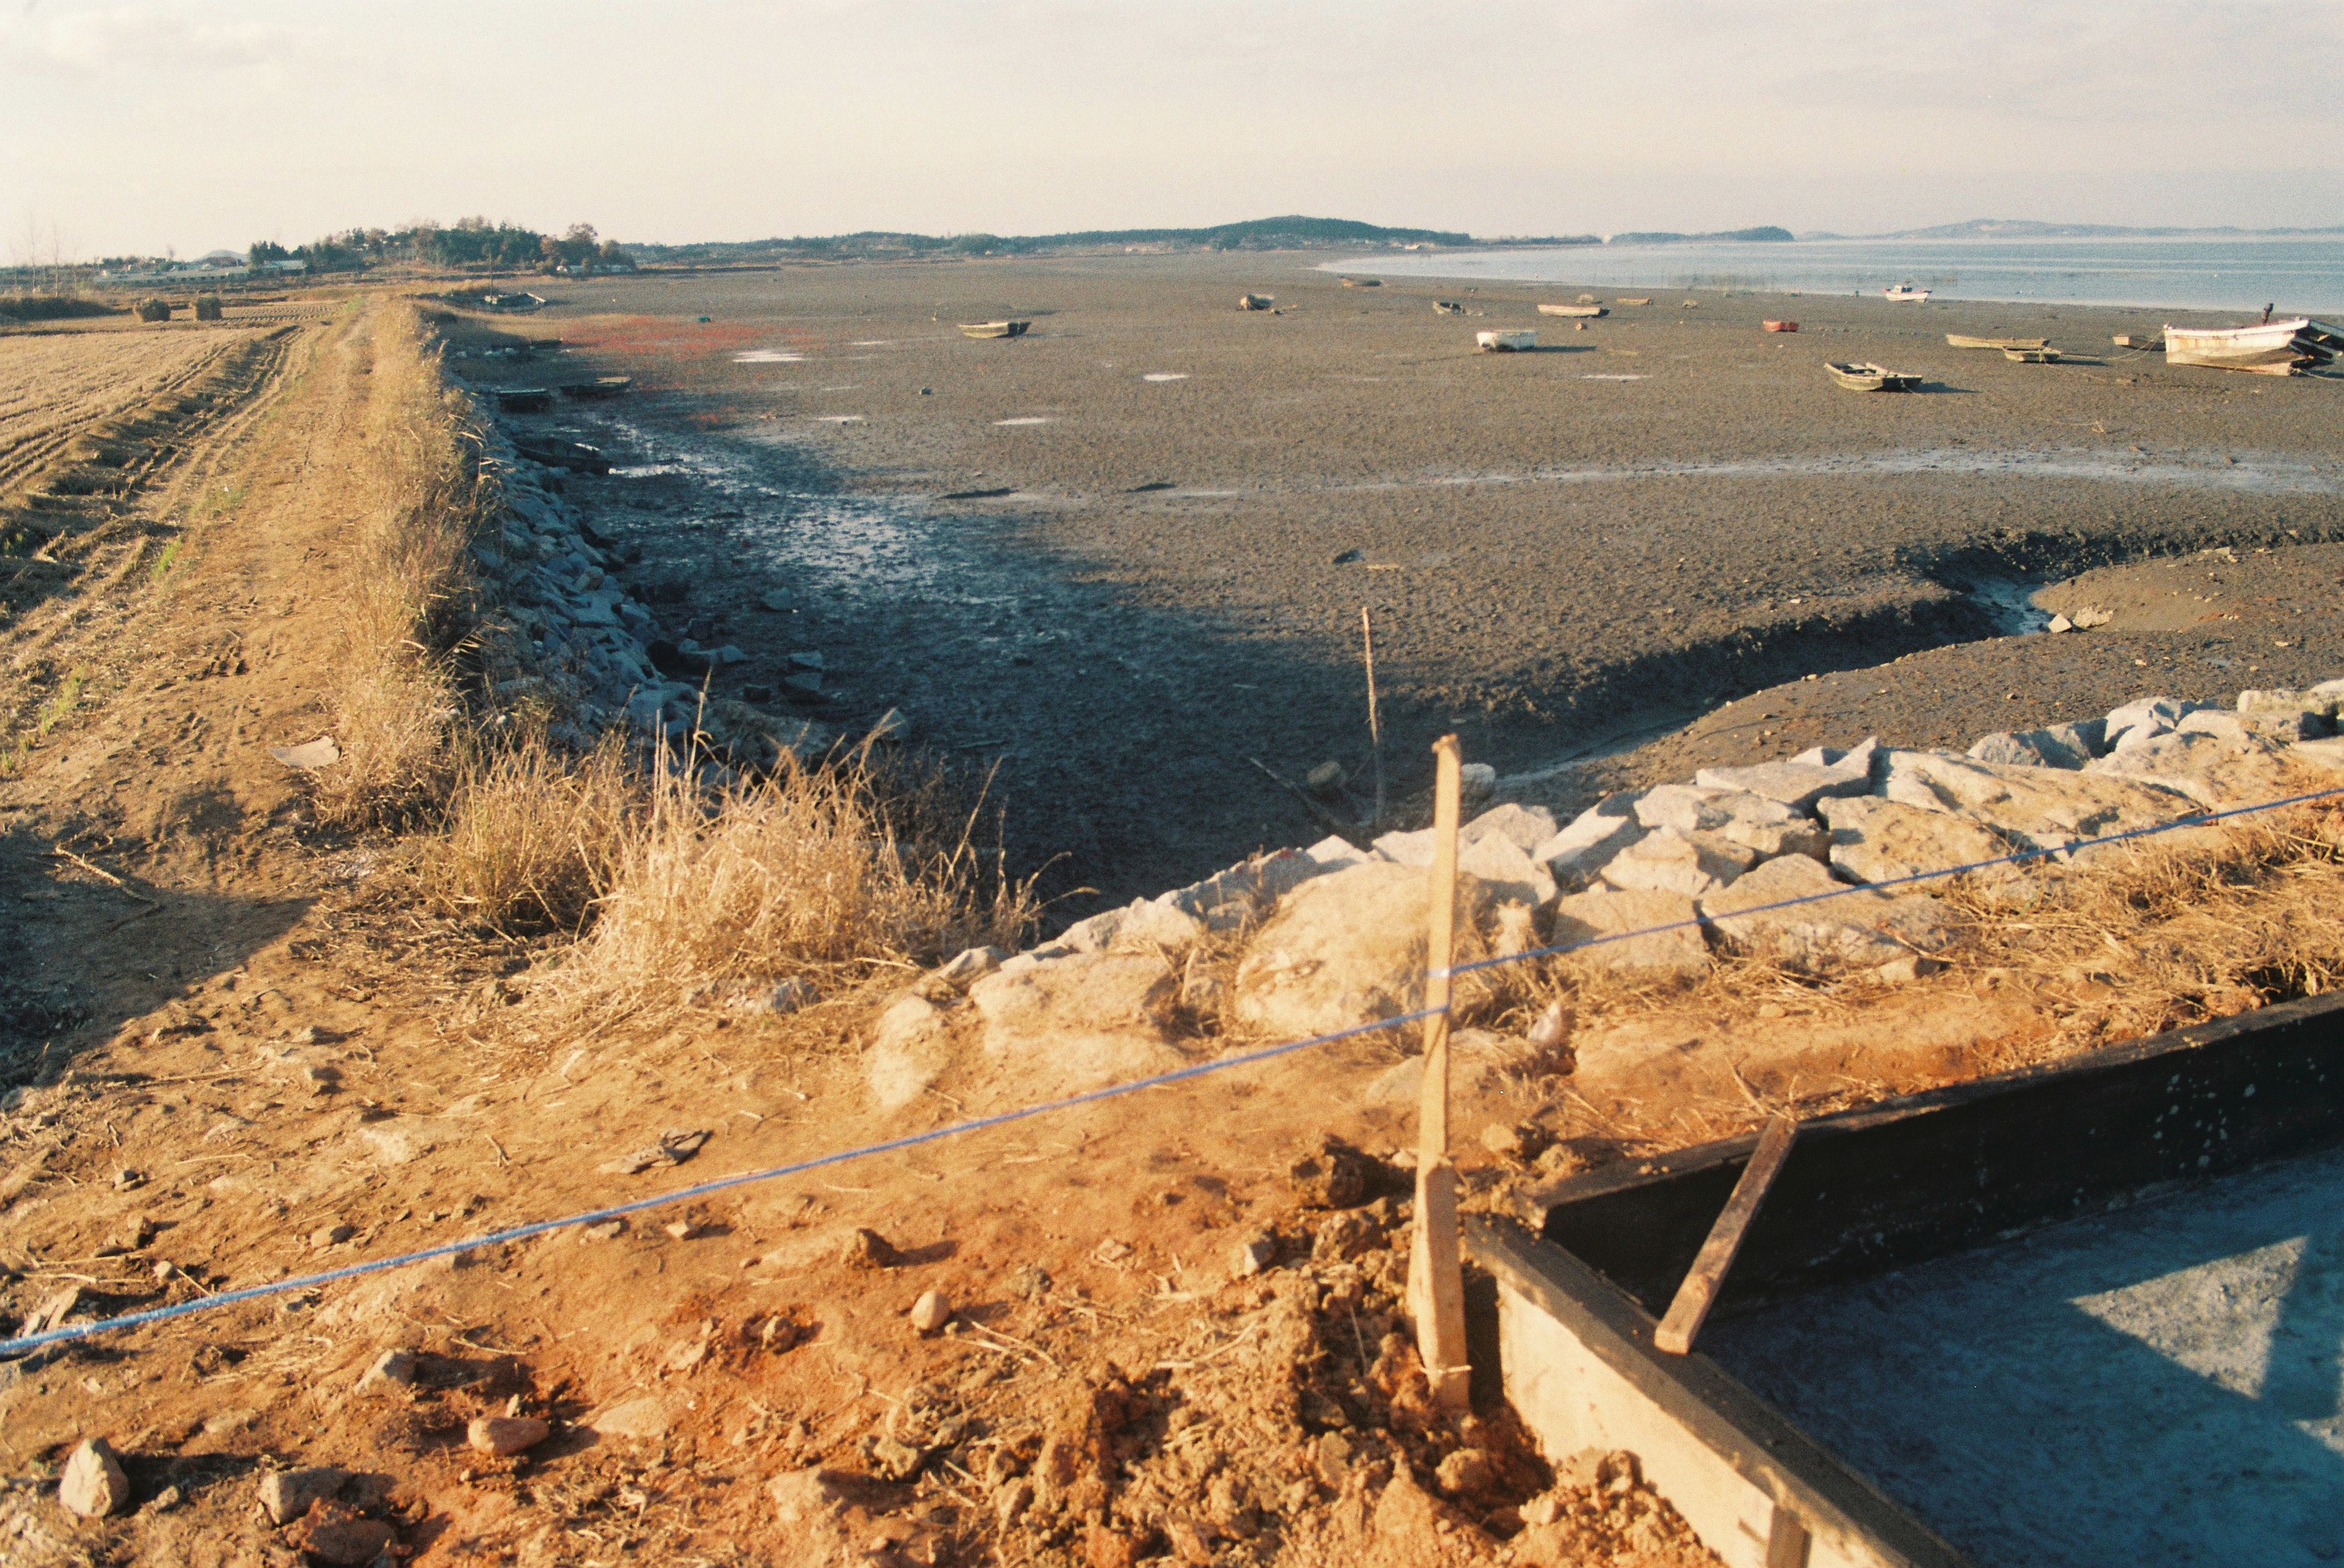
[2297,274]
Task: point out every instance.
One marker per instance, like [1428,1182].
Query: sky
[145,126]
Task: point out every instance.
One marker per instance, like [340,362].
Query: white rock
[93,1485]
[911,1046]
[1511,874]
[2151,716]
[644,1419]
[2213,770]
[2030,748]
[1573,855]
[2280,702]
[285,1494]
[1407,848]
[1812,775]
[1230,898]
[1877,840]
[2319,754]
[1758,822]
[1143,925]
[1796,911]
[1077,1023]
[1668,861]
[1345,948]
[1604,917]
[969,964]
[1333,853]
[930,1313]
[2036,808]
[1525,826]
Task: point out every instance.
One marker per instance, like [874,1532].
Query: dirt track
[1620,531]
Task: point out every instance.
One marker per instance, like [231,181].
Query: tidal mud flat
[1127,552]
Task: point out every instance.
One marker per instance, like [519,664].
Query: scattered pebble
[93,1485]
[506,1434]
[930,1313]
[866,1249]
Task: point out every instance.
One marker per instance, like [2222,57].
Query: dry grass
[821,873]
[411,596]
[533,834]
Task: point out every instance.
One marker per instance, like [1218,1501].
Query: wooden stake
[1699,1291]
[1375,720]
[1435,1276]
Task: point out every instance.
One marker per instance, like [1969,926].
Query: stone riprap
[1774,860]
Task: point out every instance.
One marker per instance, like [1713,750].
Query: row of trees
[471,242]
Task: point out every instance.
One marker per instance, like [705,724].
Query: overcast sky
[129,127]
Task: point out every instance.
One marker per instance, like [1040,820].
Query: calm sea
[2226,274]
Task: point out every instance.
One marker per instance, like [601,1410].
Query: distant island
[1289,233]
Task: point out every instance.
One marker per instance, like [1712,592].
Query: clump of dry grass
[411,597]
[824,874]
[533,834]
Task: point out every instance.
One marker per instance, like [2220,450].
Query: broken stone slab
[1667,861]
[1794,911]
[1332,854]
[1670,942]
[1078,1022]
[1525,826]
[1877,840]
[2212,770]
[1759,822]
[2328,753]
[2150,715]
[309,755]
[1815,774]
[2274,730]
[911,1046]
[1345,949]
[1511,874]
[1143,925]
[1575,853]
[2035,808]
[2282,702]
[2030,748]
[93,1485]
[395,1367]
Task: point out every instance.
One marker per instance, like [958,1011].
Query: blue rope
[523,1232]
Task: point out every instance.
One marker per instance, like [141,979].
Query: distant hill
[2027,228]
[1291,233]
[1766,234]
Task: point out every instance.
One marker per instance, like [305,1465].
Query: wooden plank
[1436,1278]
[1787,1540]
[1699,1291]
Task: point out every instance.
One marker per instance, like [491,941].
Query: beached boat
[1589,311]
[1958,340]
[1780,326]
[525,399]
[1905,292]
[1256,301]
[600,387]
[2147,342]
[1448,308]
[1862,376]
[2031,356]
[1506,342]
[1631,299]
[995,328]
[2265,348]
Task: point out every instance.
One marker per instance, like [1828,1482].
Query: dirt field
[1104,553]
[240,1047]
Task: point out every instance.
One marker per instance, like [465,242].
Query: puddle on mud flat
[1597,376]
[768,356]
[836,418]
[1166,375]
[1031,420]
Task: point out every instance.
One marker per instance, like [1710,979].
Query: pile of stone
[586,645]
[1812,862]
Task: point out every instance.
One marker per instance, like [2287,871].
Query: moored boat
[995,328]
[1906,292]
[1631,299]
[1506,342]
[1573,311]
[1960,340]
[600,387]
[2265,348]
[1780,326]
[1860,376]
[525,399]
[2031,356]
[1256,301]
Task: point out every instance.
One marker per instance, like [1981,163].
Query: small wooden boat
[2147,342]
[2265,348]
[1506,342]
[1959,340]
[1255,301]
[995,328]
[1631,299]
[575,456]
[1448,308]
[1862,376]
[1587,310]
[600,387]
[1363,283]
[1905,293]
[525,399]
[1780,326]
[2031,356]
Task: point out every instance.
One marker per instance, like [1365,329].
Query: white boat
[1905,292]
[1506,342]
[1589,311]
[2265,348]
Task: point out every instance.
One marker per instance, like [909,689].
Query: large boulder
[1513,877]
[1523,827]
[1667,861]
[2215,770]
[1077,1023]
[2034,748]
[2035,808]
[1876,840]
[1643,933]
[911,1046]
[1228,899]
[1795,912]
[1144,925]
[1573,854]
[1756,821]
[1345,949]
[2144,718]
[2286,703]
